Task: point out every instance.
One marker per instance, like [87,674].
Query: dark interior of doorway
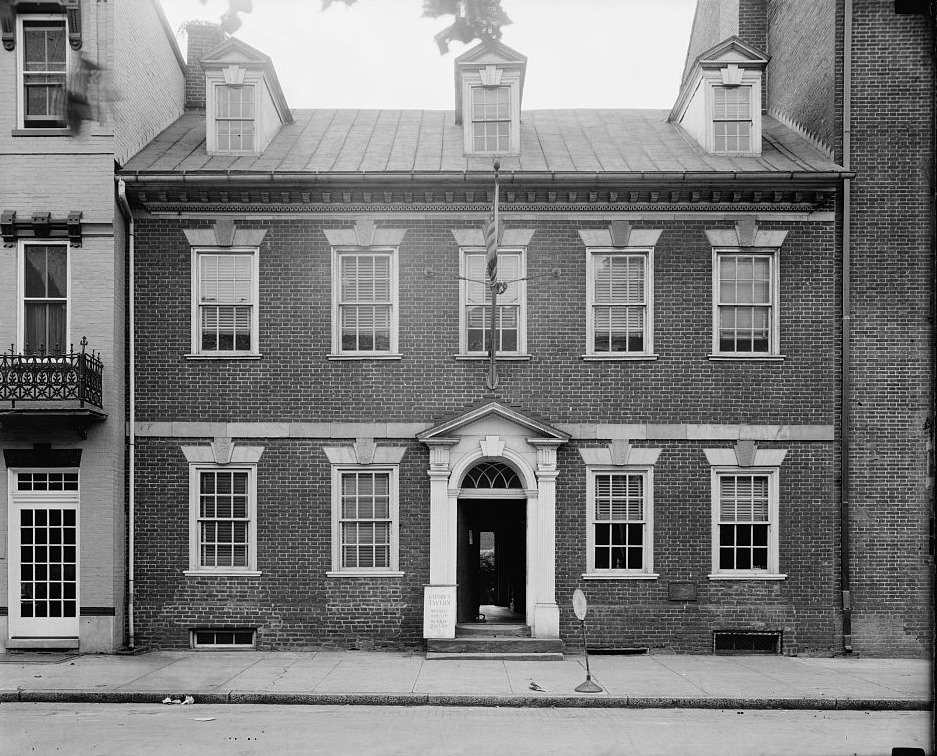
[492,561]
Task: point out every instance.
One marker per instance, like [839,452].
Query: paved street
[443,731]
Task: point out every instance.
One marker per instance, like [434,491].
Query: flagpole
[492,382]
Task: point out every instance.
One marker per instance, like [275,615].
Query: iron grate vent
[220,638]
[746,642]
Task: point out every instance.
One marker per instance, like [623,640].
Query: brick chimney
[753,23]
[201,37]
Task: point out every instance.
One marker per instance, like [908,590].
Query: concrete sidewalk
[408,679]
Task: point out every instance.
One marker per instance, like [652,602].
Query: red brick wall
[295,605]
[753,27]
[295,382]
[892,330]
[892,250]
[201,37]
[637,613]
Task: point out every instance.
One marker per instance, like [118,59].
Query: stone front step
[465,656]
[492,630]
[521,649]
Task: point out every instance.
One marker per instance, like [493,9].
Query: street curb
[424,699]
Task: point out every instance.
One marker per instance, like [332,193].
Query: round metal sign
[579,604]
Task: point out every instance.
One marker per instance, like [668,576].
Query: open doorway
[492,561]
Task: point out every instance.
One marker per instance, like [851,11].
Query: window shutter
[619,279]
[743,498]
[226,279]
[619,497]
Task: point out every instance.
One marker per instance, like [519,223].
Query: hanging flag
[491,241]
[491,265]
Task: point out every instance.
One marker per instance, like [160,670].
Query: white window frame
[21,290]
[196,339]
[65,627]
[510,120]
[506,78]
[215,118]
[774,329]
[211,132]
[375,354]
[195,472]
[338,471]
[648,254]
[21,20]
[772,572]
[521,351]
[647,570]
[752,80]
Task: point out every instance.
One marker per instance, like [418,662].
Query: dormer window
[245,107]
[234,118]
[491,119]
[732,119]
[489,86]
[719,104]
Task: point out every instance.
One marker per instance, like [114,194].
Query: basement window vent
[223,639]
[746,642]
[607,651]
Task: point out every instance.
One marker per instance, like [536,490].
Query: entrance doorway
[492,561]
[43,585]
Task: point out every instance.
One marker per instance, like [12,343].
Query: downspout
[846,335]
[131,433]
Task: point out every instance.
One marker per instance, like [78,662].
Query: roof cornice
[229,176]
[471,192]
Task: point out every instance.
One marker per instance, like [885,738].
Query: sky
[381,53]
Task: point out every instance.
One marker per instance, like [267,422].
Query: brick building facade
[323,458]
[62,296]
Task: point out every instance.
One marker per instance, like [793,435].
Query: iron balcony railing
[75,376]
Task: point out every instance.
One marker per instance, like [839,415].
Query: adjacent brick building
[62,296]
[325,457]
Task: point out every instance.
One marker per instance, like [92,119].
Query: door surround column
[546,616]
[494,432]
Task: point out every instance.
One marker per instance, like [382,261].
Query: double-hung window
[732,119]
[620,517]
[45,299]
[491,118]
[43,61]
[475,315]
[225,302]
[364,519]
[620,301]
[745,313]
[365,301]
[745,522]
[223,519]
[234,118]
